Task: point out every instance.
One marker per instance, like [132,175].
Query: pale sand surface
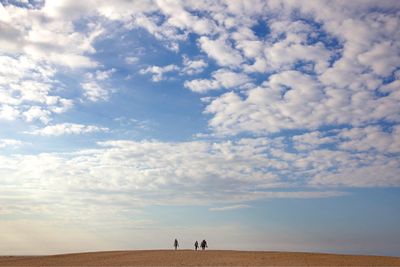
[199,258]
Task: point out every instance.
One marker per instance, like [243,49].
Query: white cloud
[293,100]
[312,140]
[178,17]
[68,128]
[10,143]
[222,78]
[131,60]
[8,112]
[37,113]
[362,139]
[28,90]
[346,51]
[94,91]
[371,137]
[221,51]
[192,67]
[160,172]
[384,58]
[325,70]
[103,75]
[48,34]
[158,72]
[233,207]
[198,171]
[375,175]
[95,85]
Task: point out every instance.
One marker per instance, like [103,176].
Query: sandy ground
[198,258]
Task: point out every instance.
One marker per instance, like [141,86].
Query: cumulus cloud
[383,58]
[48,34]
[199,171]
[159,72]
[312,140]
[131,60]
[371,137]
[38,43]
[161,172]
[361,139]
[324,68]
[37,113]
[346,50]
[94,91]
[95,85]
[27,90]
[222,78]
[68,128]
[191,67]
[233,207]
[221,51]
[315,65]
[294,100]
[375,175]
[10,143]
[8,112]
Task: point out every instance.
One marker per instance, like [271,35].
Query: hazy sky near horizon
[266,125]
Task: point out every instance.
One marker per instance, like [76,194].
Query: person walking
[196,245]
[176,244]
[203,244]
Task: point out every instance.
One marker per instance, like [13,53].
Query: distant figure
[196,245]
[176,244]
[203,244]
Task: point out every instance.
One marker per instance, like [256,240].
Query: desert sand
[198,258]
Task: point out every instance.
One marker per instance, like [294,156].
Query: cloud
[222,78]
[191,67]
[319,67]
[103,75]
[178,17]
[8,112]
[221,51]
[371,137]
[362,139]
[10,143]
[94,91]
[233,207]
[199,172]
[95,85]
[48,35]
[312,140]
[294,100]
[376,175]
[131,60]
[153,172]
[345,50]
[27,90]
[383,58]
[68,128]
[158,72]
[315,66]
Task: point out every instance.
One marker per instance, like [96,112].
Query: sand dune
[199,258]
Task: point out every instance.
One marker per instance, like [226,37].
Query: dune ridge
[198,258]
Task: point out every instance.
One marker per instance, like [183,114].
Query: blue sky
[258,125]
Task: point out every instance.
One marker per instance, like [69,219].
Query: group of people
[203,244]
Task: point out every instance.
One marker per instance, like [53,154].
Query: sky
[256,125]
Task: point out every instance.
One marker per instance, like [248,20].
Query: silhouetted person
[176,244]
[196,245]
[203,244]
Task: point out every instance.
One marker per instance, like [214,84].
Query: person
[176,244]
[196,245]
[204,244]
